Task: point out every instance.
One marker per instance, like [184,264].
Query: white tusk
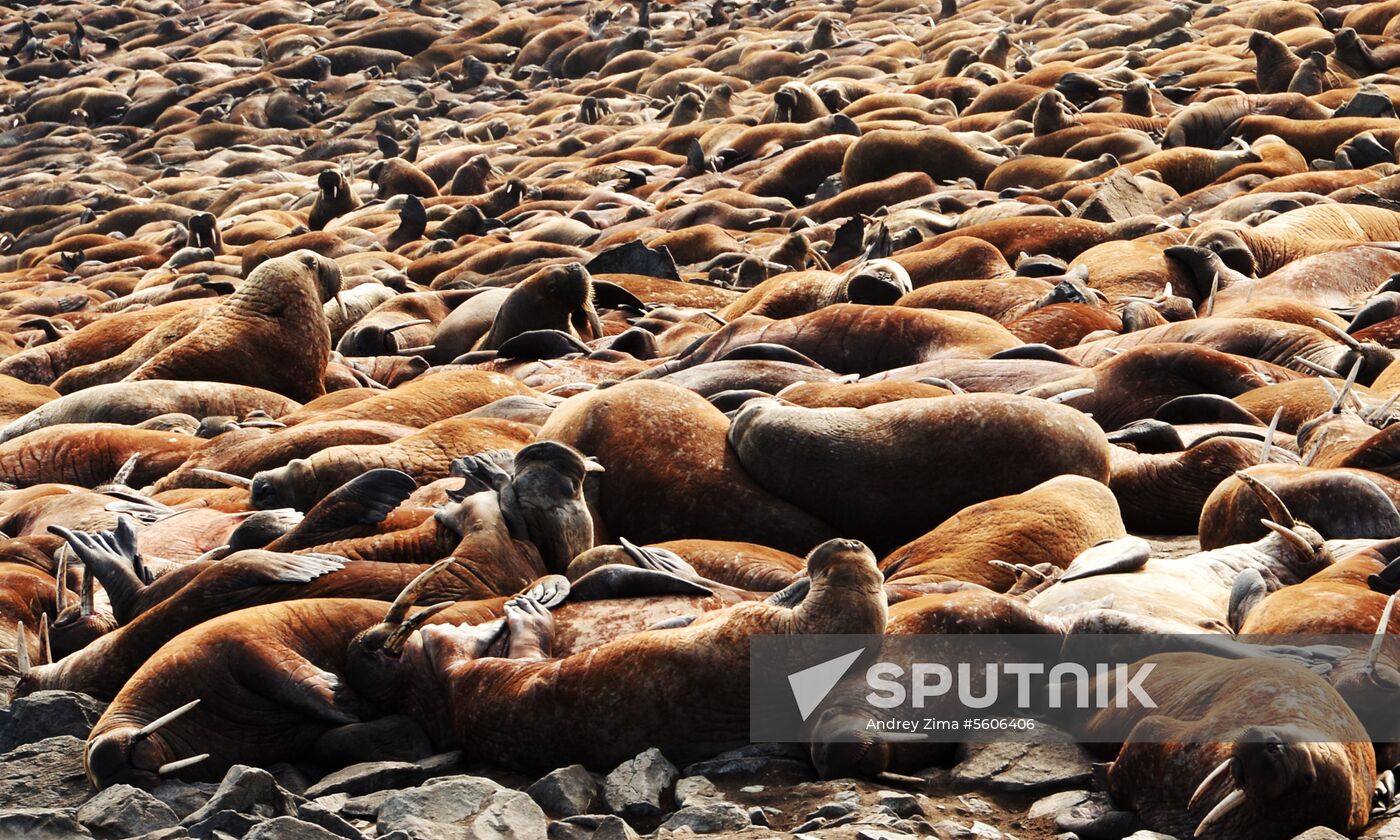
[1234,800]
[1376,643]
[151,727]
[1209,780]
[177,766]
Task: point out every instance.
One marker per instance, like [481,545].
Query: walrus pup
[527,711]
[1240,749]
[271,333]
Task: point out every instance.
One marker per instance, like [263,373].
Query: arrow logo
[811,685]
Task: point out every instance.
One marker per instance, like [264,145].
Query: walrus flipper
[114,561]
[658,560]
[1116,557]
[363,501]
[267,567]
[792,594]
[484,471]
[618,581]
[550,590]
[1246,593]
[312,691]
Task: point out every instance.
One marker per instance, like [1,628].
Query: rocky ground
[993,791]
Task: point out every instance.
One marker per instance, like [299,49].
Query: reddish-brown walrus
[271,333]
[531,712]
[891,472]
[670,473]
[1239,749]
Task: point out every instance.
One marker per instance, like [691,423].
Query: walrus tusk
[414,351]
[1214,288]
[394,644]
[1289,534]
[21,650]
[1374,654]
[126,469]
[1346,388]
[405,325]
[398,611]
[1268,448]
[1066,396]
[226,479]
[61,578]
[149,729]
[176,766]
[1224,767]
[45,646]
[717,319]
[1383,411]
[1341,335]
[1316,368]
[1278,511]
[1235,799]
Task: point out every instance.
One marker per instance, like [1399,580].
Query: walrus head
[877,282]
[1267,767]
[544,501]
[141,756]
[848,590]
[374,662]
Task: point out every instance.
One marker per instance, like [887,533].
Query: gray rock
[1049,806]
[290,778]
[125,811]
[45,714]
[636,787]
[1383,830]
[176,833]
[565,792]
[1095,819]
[41,824]
[1320,832]
[709,818]
[246,790]
[230,823]
[602,826]
[695,790]
[359,779]
[320,816]
[182,797]
[951,830]
[392,738]
[720,768]
[1023,767]
[902,804]
[289,828]
[45,774]
[482,808]
[881,834]
[365,807]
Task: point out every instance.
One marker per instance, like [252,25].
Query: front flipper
[1247,592]
[616,581]
[309,690]
[114,560]
[352,510]
[792,594]
[1111,558]
[550,590]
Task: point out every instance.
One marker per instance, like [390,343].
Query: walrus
[1052,522]
[656,673]
[1344,503]
[556,298]
[1236,749]
[669,472]
[891,472]
[270,334]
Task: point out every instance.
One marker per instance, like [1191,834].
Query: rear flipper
[352,510]
[617,581]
